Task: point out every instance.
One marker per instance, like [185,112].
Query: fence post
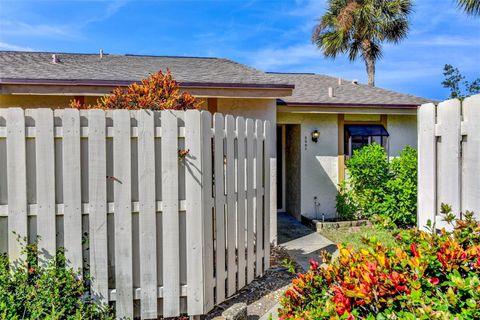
[17,181]
[471,155]
[195,212]
[449,155]
[426,207]
[207,207]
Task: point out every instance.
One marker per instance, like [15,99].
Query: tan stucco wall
[34,101]
[403,132]
[46,101]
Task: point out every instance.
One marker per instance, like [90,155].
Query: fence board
[448,128]
[123,213]
[72,188]
[218,124]
[241,197]
[231,205]
[471,155]
[45,166]
[17,182]
[194,212]
[250,204]
[147,210]
[207,200]
[259,197]
[97,194]
[170,216]
[426,165]
[266,193]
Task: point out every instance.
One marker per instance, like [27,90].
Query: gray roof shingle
[39,66]
[313,89]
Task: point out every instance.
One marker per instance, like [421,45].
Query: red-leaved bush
[157,92]
[427,276]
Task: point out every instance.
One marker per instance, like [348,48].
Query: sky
[270,35]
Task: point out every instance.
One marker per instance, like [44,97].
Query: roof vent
[355,81]
[330,92]
[54,58]
[340,81]
[101,53]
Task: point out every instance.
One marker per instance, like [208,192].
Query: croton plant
[159,91]
[426,276]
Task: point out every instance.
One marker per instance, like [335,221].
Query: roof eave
[124,83]
[352,105]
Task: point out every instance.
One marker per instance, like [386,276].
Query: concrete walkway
[302,244]
[300,241]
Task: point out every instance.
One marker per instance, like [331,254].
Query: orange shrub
[157,92]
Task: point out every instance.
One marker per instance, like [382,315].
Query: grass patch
[352,236]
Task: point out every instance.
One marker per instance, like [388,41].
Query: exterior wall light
[315,136]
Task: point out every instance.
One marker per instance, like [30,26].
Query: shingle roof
[15,65]
[312,89]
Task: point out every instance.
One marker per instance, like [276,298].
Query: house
[319,119]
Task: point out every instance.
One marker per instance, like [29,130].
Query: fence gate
[174,204]
[448,158]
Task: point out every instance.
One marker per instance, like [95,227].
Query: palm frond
[470,6]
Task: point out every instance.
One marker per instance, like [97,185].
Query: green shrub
[29,290]
[400,201]
[424,276]
[377,188]
[368,173]
[345,205]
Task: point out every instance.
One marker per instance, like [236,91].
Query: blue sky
[268,35]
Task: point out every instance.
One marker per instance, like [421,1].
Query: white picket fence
[166,235]
[448,158]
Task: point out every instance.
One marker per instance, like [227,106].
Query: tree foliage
[359,27]
[157,92]
[456,83]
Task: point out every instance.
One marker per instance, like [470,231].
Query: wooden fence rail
[167,210]
[448,159]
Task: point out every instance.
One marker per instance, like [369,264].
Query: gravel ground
[262,293]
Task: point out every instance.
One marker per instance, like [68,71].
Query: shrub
[378,188]
[368,173]
[426,276]
[157,92]
[52,291]
[400,200]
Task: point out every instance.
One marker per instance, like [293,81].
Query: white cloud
[21,28]
[13,47]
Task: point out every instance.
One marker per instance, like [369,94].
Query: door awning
[366,130]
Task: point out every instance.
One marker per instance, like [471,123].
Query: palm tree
[470,6]
[359,27]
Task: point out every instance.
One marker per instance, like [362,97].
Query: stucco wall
[319,174]
[34,101]
[403,132]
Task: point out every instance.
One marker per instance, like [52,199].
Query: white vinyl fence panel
[448,159]
[161,234]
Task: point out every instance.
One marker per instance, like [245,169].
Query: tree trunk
[370,64]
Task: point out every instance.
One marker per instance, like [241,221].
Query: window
[359,135]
